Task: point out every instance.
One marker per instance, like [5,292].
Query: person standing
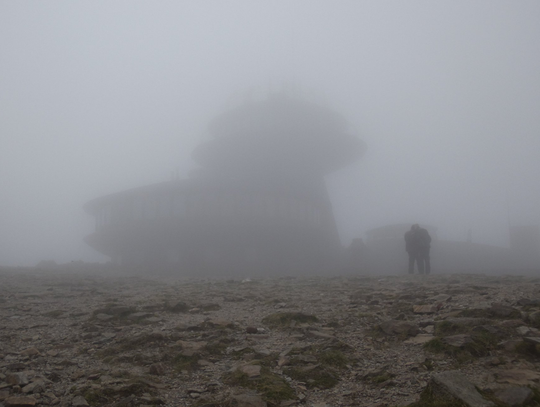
[411,246]
[418,245]
[423,240]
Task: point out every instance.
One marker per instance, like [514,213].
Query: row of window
[208,205]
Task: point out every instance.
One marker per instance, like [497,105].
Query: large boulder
[249,400]
[399,328]
[453,388]
[20,401]
[534,319]
[515,396]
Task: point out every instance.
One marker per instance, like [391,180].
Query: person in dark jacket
[418,245]
[411,247]
[424,245]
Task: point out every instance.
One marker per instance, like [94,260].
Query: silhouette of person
[423,240]
[411,247]
[418,245]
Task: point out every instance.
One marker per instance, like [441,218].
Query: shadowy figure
[411,247]
[418,245]
[424,245]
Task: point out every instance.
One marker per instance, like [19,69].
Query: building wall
[217,229]
[206,205]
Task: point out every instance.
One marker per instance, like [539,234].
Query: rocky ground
[93,338]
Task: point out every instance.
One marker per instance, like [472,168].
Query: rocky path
[74,339]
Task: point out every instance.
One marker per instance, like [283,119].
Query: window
[103,216]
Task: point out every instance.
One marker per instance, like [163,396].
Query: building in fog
[257,204]
[525,245]
[525,239]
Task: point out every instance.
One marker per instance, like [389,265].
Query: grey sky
[101,96]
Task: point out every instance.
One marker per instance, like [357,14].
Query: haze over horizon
[99,97]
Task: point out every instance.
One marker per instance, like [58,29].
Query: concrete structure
[258,204]
[525,245]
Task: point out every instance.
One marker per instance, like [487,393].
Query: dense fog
[98,97]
